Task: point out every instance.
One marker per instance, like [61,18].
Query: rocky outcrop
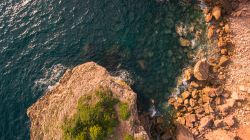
[49,112]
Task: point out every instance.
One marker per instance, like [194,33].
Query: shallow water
[40,39]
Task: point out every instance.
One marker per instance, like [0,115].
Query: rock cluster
[205,105]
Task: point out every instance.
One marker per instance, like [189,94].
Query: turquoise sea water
[40,39]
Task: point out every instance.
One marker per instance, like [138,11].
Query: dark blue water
[40,39]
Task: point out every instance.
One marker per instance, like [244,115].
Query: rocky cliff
[49,112]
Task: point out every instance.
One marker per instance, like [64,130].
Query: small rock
[186,102]
[142,64]
[194,84]
[205,122]
[229,121]
[235,96]
[223,60]
[218,101]
[208,109]
[181,120]
[223,51]
[194,94]
[200,110]
[179,100]
[185,94]
[210,32]
[223,108]
[171,100]
[188,74]
[226,28]
[218,123]
[201,70]
[192,102]
[184,42]
[221,42]
[211,92]
[230,102]
[208,17]
[216,12]
[190,119]
[206,99]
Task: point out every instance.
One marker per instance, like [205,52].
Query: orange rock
[223,51]
[223,60]
[221,42]
[210,32]
[179,100]
[185,94]
[216,12]
[208,17]
[201,70]
[244,133]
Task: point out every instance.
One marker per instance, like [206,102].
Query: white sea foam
[50,77]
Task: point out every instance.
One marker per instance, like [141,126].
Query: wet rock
[210,32]
[160,120]
[223,60]
[205,122]
[188,74]
[216,12]
[171,101]
[142,64]
[218,123]
[184,42]
[201,70]
[208,17]
[185,94]
[190,119]
[166,136]
[183,133]
[229,121]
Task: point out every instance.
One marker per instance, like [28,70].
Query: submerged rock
[48,114]
[184,42]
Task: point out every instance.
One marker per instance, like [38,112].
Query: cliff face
[49,112]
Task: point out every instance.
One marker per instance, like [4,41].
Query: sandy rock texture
[48,113]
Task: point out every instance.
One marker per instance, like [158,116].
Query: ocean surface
[40,39]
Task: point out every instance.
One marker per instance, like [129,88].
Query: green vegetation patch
[124,112]
[128,137]
[92,121]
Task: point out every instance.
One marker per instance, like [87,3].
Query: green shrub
[124,111]
[92,122]
[128,137]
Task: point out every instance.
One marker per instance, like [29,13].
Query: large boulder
[182,133]
[201,70]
